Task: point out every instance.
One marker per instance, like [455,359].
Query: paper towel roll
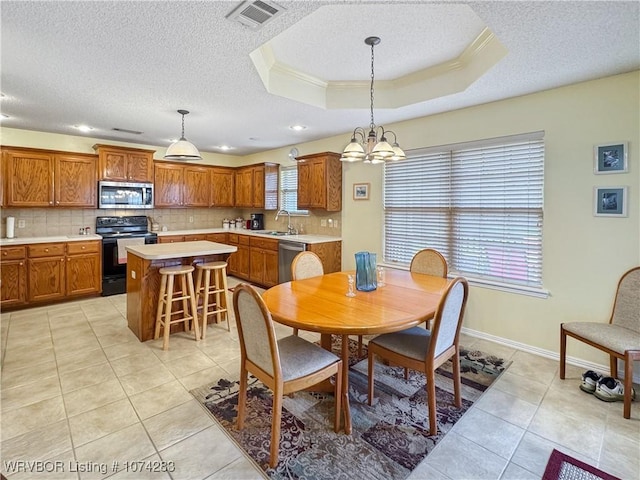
[11,224]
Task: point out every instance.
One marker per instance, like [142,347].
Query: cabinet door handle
[21,264]
[46,250]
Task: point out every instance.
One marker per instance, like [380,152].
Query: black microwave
[125,195]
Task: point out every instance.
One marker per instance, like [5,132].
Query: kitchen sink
[278,234]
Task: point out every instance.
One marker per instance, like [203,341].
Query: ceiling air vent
[255,13]
[124,130]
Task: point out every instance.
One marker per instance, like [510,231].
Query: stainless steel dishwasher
[287,251]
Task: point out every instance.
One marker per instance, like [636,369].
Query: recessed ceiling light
[224,147]
[298,128]
[3,116]
[83,128]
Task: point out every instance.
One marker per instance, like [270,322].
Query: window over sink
[289,191]
[479,203]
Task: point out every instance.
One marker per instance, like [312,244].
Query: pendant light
[372,147]
[182,149]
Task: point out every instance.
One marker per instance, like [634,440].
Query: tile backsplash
[44,222]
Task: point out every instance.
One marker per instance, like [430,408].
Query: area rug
[389,438]
[563,467]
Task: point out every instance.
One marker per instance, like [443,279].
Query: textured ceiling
[131,65]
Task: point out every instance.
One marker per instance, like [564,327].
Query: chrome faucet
[290,228]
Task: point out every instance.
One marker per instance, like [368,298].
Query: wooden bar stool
[166,299]
[214,276]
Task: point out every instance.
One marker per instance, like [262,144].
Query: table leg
[345,384]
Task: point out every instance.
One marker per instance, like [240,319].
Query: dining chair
[429,262]
[306,265]
[425,350]
[620,337]
[285,366]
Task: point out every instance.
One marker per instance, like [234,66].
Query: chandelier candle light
[368,147]
[182,149]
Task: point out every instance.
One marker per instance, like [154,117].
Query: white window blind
[479,204]
[289,191]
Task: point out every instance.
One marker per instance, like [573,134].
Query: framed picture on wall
[361,191]
[610,201]
[610,158]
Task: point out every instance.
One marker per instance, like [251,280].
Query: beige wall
[583,255]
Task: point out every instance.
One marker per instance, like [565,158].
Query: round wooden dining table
[320,304]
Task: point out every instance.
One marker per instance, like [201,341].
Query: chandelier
[182,149]
[372,147]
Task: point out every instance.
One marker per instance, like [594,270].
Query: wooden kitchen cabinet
[125,164]
[320,182]
[46,178]
[222,183]
[217,237]
[330,253]
[170,238]
[256,186]
[13,276]
[75,182]
[57,271]
[263,261]
[177,185]
[84,268]
[238,262]
[46,269]
[167,188]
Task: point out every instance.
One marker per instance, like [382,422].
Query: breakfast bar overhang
[143,278]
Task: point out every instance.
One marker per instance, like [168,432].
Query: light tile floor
[81,396]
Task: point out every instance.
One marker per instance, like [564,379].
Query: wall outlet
[190,218]
[323,223]
[21,224]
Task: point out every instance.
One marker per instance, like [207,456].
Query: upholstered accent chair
[425,350]
[287,365]
[429,262]
[619,338]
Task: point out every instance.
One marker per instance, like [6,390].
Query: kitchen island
[143,277]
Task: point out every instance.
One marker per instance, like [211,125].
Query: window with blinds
[289,191]
[478,203]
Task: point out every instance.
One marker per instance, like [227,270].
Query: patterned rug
[389,438]
[563,467]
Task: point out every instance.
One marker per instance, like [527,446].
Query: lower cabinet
[13,276]
[263,261]
[48,272]
[238,262]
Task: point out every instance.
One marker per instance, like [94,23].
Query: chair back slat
[626,310]
[256,331]
[429,262]
[448,318]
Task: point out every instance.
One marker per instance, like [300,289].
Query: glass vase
[366,274]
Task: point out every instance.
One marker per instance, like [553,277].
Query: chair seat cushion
[412,342]
[300,357]
[613,337]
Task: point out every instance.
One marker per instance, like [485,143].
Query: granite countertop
[7,242]
[164,251]
[304,238]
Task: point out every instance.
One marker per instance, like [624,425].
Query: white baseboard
[577,362]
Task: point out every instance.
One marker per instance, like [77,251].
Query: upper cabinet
[125,164]
[222,192]
[257,186]
[181,185]
[320,182]
[45,178]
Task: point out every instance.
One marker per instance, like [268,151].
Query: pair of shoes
[610,389]
[590,380]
